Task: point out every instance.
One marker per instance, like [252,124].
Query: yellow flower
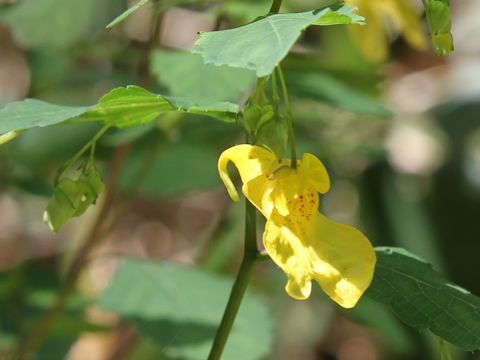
[373,38]
[302,242]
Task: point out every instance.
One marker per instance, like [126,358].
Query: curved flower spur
[305,244]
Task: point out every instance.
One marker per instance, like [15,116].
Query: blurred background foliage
[400,137]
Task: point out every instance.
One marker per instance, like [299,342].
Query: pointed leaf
[420,297]
[133,105]
[121,107]
[30,113]
[261,45]
[71,198]
[180,308]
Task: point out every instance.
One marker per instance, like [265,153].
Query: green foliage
[185,74]
[55,23]
[121,107]
[323,87]
[30,113]
[179,308]
[273,37]
[170,173]
[420,297]
[72,198]
[133,106]
[440,24]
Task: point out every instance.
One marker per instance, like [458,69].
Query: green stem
[240,285]
[288,108]
[276,5]
[275,97]
[4,138]
[79,153]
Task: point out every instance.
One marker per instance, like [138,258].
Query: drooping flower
[305,244]
[381,17]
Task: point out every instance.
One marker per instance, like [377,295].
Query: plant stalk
[288,108]
[240,285]
[276,5]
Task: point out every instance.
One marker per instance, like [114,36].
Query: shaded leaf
[55,23]
[420,297]
[185,74]
[261,45]
[180,308]
[72,198]
[325,88]
[179,168]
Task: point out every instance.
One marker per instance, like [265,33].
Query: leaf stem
[241,282]
[276,5]
[275,97]
[80,152]
[288,108]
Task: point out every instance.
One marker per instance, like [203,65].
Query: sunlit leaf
[30,113]
[440,23]
[180,307]
[261,45]
[420,297]
[121,107]
[128,106]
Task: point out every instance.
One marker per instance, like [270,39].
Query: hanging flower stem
[250,256]
[288,108]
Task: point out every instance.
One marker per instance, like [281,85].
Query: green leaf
[440,24]
[30,113]
[55,23]
[180,168]
[261,45]
[185,74]
[225,111]
[180,308]
[133,106]
[72,198]
[127,106]
[127,13]
[122,107]
[420,297]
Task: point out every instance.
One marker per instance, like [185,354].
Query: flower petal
[371,38]
[314,173]
[343,260]
[408,22]
[288,251]
[251,162]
